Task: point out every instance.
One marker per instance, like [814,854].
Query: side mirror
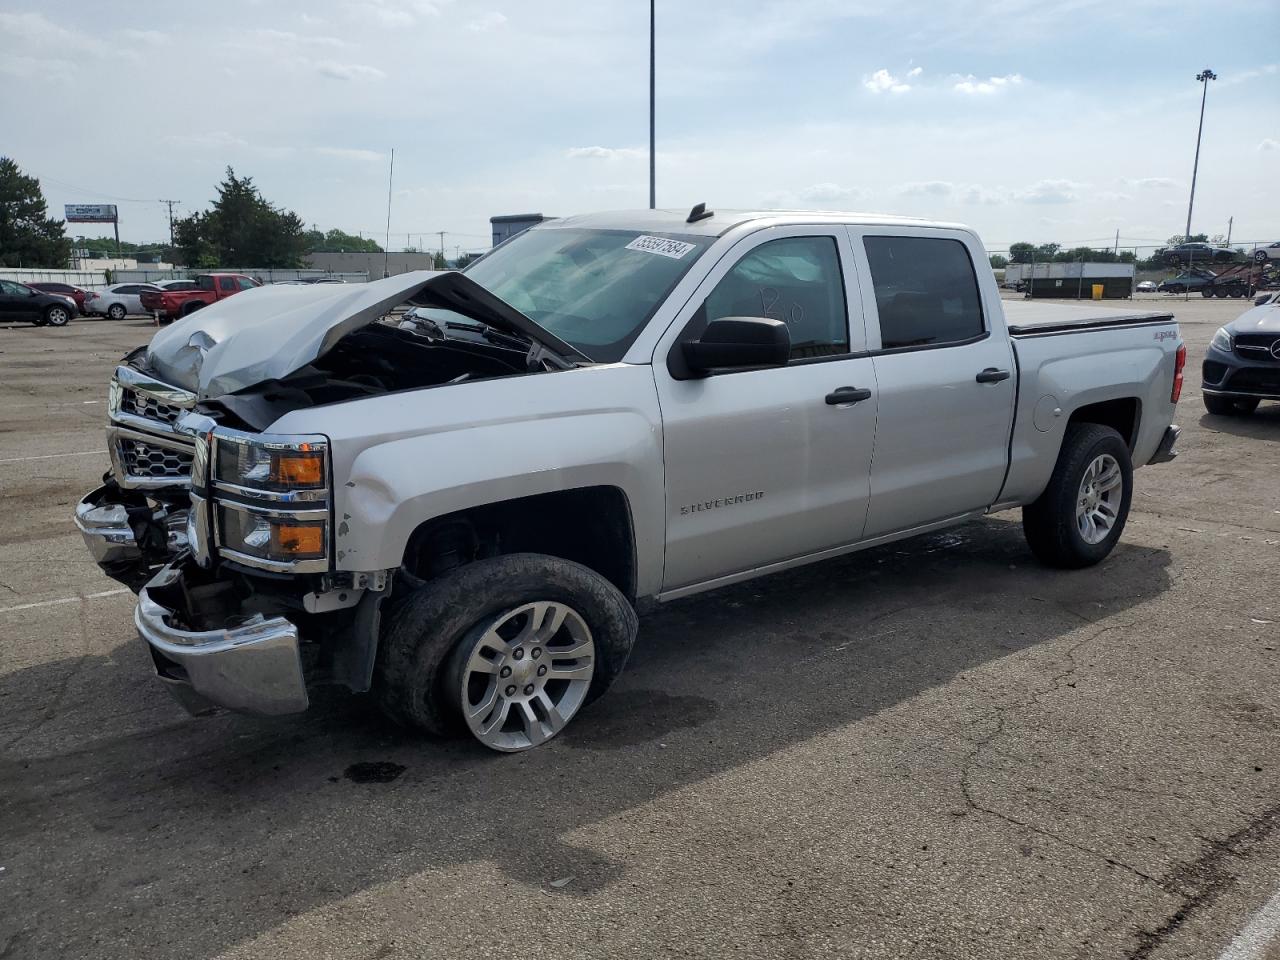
[739,342]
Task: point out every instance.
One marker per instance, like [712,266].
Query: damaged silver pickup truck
[456,490]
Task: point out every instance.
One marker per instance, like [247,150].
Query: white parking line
[54,603]
[1259,934]
[54,456]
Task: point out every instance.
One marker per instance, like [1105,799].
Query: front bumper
[254,666]
[1230,375]
[127,536]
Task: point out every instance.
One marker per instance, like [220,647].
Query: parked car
[1186,282]
[169,304]
[1269,252]
[1242,365]
[24,304]
[1146,286]
[697,408]
[117,301]
[76,294]
[1197,253]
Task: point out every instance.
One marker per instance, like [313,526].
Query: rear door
[945,372]
[766,465]
[17,304]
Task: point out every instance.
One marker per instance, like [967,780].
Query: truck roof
[676,220]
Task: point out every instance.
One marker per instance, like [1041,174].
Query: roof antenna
[699,212]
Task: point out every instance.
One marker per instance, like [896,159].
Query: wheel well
[1122,415]
[588,525]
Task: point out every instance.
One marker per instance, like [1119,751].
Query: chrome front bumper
[105,527]
[252,667]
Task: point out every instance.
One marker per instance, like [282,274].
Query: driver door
[17,303]
[766,465]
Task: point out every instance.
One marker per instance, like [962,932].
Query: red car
[65,289]
[210,287]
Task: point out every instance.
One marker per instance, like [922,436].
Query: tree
[998,262]
[29,237]
[241,229]
[1178,238]
[466,259]
[1021,252]
[438,262]
[337,241]
[1047,251]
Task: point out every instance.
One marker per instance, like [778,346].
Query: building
[508,225]
[374,264]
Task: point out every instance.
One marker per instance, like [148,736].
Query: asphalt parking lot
[932,749]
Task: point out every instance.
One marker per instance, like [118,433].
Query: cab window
[796,280]
[926,291]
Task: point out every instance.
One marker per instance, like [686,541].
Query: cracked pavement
[931,749]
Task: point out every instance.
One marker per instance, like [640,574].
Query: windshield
[595,289]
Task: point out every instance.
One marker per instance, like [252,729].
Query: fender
[402,459]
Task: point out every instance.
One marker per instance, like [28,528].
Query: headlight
[1221,340]
[271,500]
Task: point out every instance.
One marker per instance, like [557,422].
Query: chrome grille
[149,408]
[142,459]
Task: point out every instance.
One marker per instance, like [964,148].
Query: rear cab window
[926,292]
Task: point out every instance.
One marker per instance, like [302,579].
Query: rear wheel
[508,649]
[1078,519]
[1236,291]
[117,311]
[56,316]
[1260,256]
[1229,406]
[1220,292]
[1206,292]
[191,307]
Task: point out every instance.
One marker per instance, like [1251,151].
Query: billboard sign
[90,213]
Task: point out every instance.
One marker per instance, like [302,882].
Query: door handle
[842,395]
[992,375]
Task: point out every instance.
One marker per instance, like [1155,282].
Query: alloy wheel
[524,674]
[1098,503]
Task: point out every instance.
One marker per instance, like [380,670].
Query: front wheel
[508,649]
[1078,519]
[116,311]
[1260,257]
[57,316]
[1206,292]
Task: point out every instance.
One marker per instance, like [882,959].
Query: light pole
[653,189]
[1204,76]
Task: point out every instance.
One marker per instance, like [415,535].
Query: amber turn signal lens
[298,469]
[297,539]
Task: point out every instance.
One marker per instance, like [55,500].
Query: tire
[429,642]
[1052,524]
[1236,291]
[1220,292]
[1260,256]
[1229,406]
[1206,292]
[191,307]
[56,316]
[116,311]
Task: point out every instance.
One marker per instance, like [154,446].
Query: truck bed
[1030,318]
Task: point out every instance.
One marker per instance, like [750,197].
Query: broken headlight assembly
[269,499]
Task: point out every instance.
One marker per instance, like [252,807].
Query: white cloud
[1050,191]
[1153,183]
[979,195]
[831,193]
[268,37]
[914,72]
[926,188]
[34,34]
[349,71]
[348,153]
[970,84]
[882,81]
[604,153]
[1266,144]
[486,22]
[152,38]
[214,138]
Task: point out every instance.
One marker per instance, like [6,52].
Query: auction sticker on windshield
[675,249]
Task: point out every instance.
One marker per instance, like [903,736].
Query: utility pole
[1116,251]
[442,233]
[1204,76]
[169,204]
[1230,221]
[386,250]
[653,180]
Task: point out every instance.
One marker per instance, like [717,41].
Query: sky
[1064,121]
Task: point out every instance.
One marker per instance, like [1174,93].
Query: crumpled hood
[269,332]
[1263,319]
